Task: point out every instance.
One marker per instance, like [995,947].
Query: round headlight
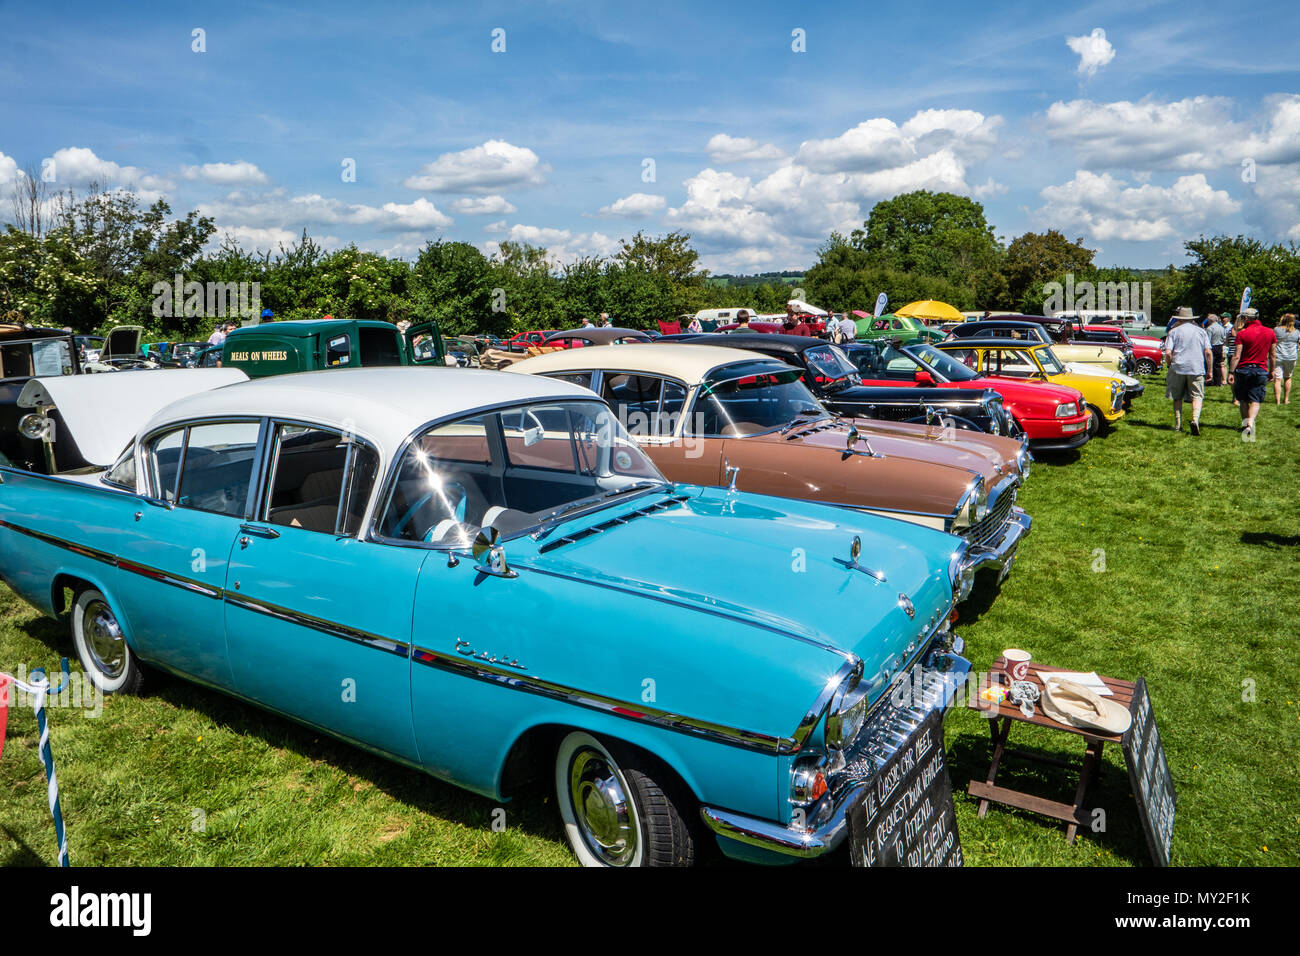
[35,426]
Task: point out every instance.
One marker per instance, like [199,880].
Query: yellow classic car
[1035,361]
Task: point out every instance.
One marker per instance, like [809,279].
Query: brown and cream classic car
[718,416]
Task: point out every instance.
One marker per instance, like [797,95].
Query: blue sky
[1125,123]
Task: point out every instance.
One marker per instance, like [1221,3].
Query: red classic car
[1146,350]
[525,339]
[1054,418]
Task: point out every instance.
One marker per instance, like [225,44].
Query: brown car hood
[999,451]
[911,474]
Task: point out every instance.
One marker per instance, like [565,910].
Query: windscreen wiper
[801,418]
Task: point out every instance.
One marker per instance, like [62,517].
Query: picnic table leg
[999,737]
[1091,764]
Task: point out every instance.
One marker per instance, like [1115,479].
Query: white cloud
[78,165]
[736,149]
[778,220]
[635,206]
[1103,207]
[240,173]
[494,165]
[275,210]
[482,206]
[1094,51]
[8,168]
[989,188]
[879,144]
[562,245]
[1193,133]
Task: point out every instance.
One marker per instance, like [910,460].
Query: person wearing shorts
[1187,350]
[1253,358]
[1288,343]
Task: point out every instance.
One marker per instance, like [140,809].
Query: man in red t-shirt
[1253,357]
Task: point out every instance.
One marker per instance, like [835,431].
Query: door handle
[259,531]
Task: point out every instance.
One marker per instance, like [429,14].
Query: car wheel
[618,810]
[1146,367]
[1094,420]
[101,645]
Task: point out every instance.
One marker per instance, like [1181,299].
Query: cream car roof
[687,362]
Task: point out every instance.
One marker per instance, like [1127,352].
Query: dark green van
[275,348]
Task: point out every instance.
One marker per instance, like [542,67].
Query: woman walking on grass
[1236,327]
[1288,345]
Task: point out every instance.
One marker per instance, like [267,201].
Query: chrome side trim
[719,733]
[332,628]
[92,553]
[176,581]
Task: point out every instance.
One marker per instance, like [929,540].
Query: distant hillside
[762,278]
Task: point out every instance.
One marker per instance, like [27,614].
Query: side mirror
[924,378]
[487,544]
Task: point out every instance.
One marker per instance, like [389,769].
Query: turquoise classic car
[480,575]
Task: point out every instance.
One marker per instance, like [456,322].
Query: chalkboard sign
[906,816]
[1148,774]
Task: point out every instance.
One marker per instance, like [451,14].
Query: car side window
[635,400]
[338,351]
[575,378]
[320,481]
[968,357]
[671,407]
[207,467]
[122,474]
[1010,362]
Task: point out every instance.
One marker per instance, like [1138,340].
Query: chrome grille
[994,524]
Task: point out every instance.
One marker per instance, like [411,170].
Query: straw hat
[1076,706]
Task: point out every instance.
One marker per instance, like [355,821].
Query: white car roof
[384,405]
[685,361]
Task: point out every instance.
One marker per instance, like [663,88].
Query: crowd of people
[1243,353]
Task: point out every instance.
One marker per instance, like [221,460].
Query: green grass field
[1198,595]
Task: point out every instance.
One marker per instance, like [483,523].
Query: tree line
[102,258]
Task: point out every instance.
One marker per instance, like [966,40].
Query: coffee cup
[1017,663]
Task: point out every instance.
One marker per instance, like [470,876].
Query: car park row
[622,506]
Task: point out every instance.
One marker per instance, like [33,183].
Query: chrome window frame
[266,478]
[384,491]
[152,490]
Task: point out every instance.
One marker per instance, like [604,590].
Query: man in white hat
[1187,351]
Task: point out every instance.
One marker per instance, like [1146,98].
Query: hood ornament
[855,549]
[851,444]
[732,472]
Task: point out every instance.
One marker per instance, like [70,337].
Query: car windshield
[948,367]
[831,367]
[750,399]
[514,470]
[1051,364]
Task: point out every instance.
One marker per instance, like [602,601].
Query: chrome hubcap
[602,809]
[104,639]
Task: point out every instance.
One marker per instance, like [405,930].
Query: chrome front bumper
[932,685]
[1000,555]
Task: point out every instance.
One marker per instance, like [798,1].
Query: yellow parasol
[930,310]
